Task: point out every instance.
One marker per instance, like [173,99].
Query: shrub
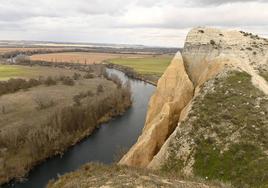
[43,101]
[76,76]
[50,81]
[89,75]
[76,100]
[99,89]
[212,42]
[33,82]
[68,81]
[13,85]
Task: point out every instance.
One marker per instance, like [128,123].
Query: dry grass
[98,175]
[23,103]
[83,57]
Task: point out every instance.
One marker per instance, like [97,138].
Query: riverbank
[43,133]
[131,73]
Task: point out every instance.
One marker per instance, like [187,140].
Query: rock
[173,93]
[224,75]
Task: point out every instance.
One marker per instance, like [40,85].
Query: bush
[77,98]
[99,89]
[68,81]
[76,76]
[50,81]
[33,83]
[43,101]
[13,85]
[89,75]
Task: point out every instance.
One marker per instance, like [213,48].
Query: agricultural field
[83,57]
[27,72]
[153,65]
[142,63]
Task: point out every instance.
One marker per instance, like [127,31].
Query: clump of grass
[244,164]
[264,74]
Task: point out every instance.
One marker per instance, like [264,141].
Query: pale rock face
[203,61]
[205,47]
[174,91]
[207,52]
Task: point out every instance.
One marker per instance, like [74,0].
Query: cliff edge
[173,93]
[211,119]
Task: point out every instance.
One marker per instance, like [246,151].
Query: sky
[147,22]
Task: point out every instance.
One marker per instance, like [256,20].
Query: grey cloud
[123,20]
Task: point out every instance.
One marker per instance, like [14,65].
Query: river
[103,145]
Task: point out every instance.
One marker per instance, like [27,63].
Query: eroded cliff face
[173,93]
[206,50]
[221,122]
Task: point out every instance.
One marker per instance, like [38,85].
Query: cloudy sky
[148,22]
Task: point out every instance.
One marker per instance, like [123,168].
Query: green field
[8,71]
[148,65]
[26,72]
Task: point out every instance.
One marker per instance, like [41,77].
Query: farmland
[146,64]
[83,57]
[16,71]
[153,65]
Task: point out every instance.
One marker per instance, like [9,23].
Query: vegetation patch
[230,132]
[147,66]
[264,74]
[243,164]
[7,71]
[99,175]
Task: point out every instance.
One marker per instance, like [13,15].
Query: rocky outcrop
[206,50]
[221,132]
[173,93]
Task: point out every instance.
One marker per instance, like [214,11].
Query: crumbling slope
[173,93]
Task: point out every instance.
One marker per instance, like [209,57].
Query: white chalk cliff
[209,55]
